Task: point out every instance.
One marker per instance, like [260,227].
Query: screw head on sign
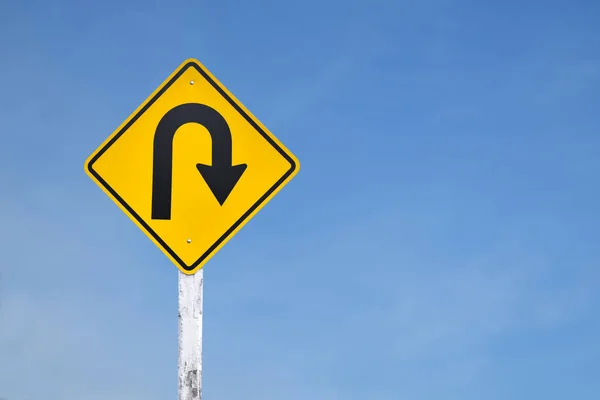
[189,240]
[191,82]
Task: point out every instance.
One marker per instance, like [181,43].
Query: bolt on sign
[191,166]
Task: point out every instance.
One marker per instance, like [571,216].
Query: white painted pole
[191,289]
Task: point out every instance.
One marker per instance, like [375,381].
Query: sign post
[190,167]
[191,291]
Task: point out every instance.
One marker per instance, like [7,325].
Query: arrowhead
[221,180]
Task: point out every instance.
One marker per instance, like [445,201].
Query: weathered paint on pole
[190,335]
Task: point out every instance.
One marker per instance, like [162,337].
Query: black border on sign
[228,233]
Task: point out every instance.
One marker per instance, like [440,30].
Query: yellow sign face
[191,166]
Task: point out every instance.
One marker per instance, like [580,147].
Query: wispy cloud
[335,69]
[458,264]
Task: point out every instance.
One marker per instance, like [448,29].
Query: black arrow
[221,177]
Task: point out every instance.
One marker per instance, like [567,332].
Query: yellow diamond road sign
[191,166]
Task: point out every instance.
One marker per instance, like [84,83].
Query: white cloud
[274,326]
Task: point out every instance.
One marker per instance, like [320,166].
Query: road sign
[191,166]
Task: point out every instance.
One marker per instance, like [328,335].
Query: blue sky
[439,242]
